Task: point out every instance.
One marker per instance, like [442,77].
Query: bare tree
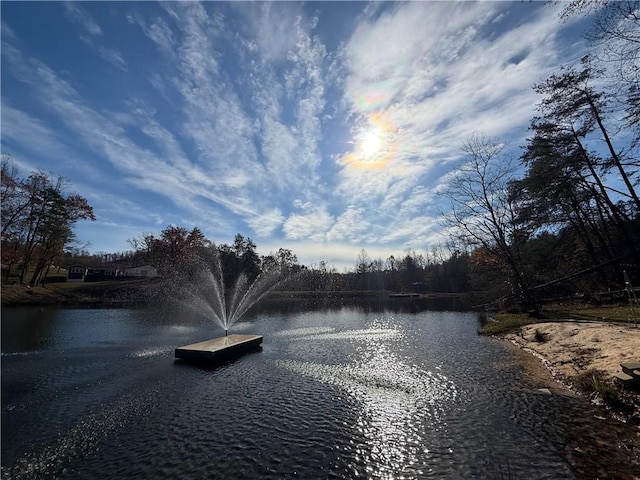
[483,212]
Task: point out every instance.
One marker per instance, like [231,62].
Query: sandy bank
[573,348]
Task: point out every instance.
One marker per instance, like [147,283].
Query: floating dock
[219,348]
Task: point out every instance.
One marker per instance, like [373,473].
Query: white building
[142,271]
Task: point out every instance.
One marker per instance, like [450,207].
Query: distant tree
[376,275]
[176,251]
[14,198]
[410,269]
[56,231]
[15,202]
[287,261]
[180,248]
[456,272]
[145,250]
[362,269]
[446,269]
[247,257]
[363,262]
[392,266]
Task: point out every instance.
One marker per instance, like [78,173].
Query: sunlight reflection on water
[151,352]
[295,332]
[397,400]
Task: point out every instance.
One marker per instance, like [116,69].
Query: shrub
[540,337]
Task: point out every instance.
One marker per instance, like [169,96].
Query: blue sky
[323,127]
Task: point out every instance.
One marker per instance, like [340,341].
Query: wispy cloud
[109,55]
[311,222]
[20,128]
[79,16]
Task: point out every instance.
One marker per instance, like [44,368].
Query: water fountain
[205,294]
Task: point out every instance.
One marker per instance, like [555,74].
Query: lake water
[344,392]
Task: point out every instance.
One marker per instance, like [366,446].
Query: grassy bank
[503,322]
[72,293]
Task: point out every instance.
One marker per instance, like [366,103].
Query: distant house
[99,274]
[142,271]
[419,287]
[76,273]
[82,273]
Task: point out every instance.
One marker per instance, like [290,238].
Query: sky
[321,127]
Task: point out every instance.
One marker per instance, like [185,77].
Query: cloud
[351,225]
[272,29]
[312,223]
[109,55]
[27,132]
[159,32]
[81,17]
[265,223]
[433,73]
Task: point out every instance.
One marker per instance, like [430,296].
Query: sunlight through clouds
[331,124]
[374,145]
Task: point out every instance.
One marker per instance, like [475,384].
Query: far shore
[140,292]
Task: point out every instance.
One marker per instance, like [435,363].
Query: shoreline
[557,356]
[570,349]
[580,358]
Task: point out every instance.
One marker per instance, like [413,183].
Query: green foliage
[594,383]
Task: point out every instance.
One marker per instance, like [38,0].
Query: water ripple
[396,403]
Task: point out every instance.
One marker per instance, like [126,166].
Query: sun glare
[374,144]
[370,144]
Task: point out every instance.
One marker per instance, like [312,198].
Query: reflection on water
[335,393]
[396,401]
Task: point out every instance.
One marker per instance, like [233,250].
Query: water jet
[205,293]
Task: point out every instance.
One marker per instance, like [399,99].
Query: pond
[344,392]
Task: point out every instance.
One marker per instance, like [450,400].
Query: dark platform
[630,375]
[219,348]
